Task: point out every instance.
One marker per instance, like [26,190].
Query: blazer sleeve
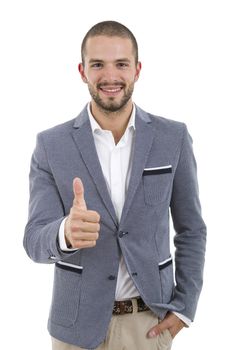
[190,237]
[46,211]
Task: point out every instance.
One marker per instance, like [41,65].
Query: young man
[101,187]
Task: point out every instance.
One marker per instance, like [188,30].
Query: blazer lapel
[143,142]
[83,138]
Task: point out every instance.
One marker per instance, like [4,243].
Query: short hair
[110,28]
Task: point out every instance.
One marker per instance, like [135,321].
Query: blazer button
[111,277]
[121,234]
[134,274]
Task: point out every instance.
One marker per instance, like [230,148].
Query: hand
[171,322]
[82,225]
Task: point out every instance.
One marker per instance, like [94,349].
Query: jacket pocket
[157,184]
[166,279]
[66,294]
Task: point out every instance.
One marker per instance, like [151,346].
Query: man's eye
[96,65]
[122,65]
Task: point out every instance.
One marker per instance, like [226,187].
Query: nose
[110,74]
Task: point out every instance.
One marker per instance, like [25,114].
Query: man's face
[110,71]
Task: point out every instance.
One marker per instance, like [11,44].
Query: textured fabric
[128,332]
[84,300]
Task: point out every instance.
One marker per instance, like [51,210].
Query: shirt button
[111,277]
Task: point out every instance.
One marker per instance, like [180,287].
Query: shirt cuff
[183,318]
[62,240]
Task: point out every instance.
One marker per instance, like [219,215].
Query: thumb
[158,329]
[78,190]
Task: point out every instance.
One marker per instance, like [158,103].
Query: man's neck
[116,122]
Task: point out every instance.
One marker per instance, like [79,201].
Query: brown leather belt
[126,307]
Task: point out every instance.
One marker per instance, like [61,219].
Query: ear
[138,69]
[81,71]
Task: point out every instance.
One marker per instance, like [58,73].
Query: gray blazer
[163,177]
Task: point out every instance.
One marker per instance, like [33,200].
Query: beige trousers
[128,332]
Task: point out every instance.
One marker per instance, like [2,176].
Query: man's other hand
[171,322]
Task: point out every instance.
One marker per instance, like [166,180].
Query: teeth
[111,90]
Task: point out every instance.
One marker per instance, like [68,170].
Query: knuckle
[77,244]
[95,227]
[97,216]
[96,235]
[80,243]
[73,228]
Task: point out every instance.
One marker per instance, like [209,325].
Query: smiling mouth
[111,90]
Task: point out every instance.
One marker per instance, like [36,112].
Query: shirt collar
[95,126]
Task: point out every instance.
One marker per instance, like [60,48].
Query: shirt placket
[116,180]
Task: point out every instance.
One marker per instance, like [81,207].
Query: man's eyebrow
[94,60]
[123,60]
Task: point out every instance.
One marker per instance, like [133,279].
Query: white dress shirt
[116,163]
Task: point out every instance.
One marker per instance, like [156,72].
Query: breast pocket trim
[158,170]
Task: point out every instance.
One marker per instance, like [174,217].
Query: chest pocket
[157,184]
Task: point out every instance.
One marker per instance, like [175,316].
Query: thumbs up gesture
[82,225]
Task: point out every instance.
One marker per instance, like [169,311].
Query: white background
[186,53]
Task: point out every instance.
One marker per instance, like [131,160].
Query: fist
[82,225]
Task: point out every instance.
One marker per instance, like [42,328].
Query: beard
[111,106]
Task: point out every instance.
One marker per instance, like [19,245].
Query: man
[101,187]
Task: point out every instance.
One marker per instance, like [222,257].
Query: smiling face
[110,71]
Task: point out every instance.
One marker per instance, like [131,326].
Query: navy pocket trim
[158,170]
[69,267]
[165,263]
